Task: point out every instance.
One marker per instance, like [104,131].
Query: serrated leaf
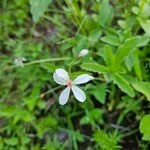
[38,8]
[124,50]
[123,84]
[143,87]
[145,127]
[94,67]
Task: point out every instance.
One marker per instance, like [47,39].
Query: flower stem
[70,67]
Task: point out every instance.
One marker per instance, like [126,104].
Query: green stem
[70,67]
[40,61]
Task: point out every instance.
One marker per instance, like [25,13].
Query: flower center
[69,83]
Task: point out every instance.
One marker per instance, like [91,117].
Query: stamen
[69,83]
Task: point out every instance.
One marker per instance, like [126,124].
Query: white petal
[84,78]
[58,79]
[62,73]
[78,93]
[64,96]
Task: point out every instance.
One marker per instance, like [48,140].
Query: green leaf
[94,67]
[94,36]
[105,13]
[78,136]
[146,26]
[143,87]
[129,61]
[142,40]
[45,124]
[106,141]
[49,67]
[145,127]
[123,84]
[12,141]
[136,65]
[99,92]
[82,43]
[38,8]
[85,120]
[111,39]
[108,56]
[124,50]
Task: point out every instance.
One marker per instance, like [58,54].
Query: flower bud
[83,52]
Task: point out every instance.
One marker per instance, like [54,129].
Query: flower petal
[58,79]
[62,73]
[84,78]
[64,96]
[78,93]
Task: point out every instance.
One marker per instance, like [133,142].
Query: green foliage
[143,87]
[105,13]
[94,67]
[123,84]
[111,39]
[38,8]
[106,141]
[124,50]
[144,127]
[100,93]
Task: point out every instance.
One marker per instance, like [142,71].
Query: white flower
[83,52]
[61,77]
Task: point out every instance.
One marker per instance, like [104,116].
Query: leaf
[92,116]
[106,141]
[105,13]
[94,36]
[143,87]
[12,141]
[85,120]
[124,50]
[99,92]
[136,65]
[142,40]
[38,8]
[45,124]
[78,136]
[123,84]
[49,67]
[111,39]
[108,56]
[94,67]
[145,127]
[146,26]
[82,43]
[129,61]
